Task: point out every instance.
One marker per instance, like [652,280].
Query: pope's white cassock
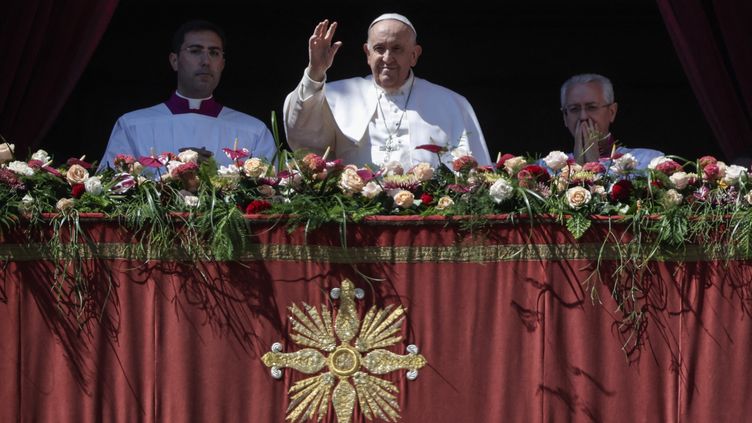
[363,124]
[180,122]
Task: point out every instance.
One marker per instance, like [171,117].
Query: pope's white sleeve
[307,119]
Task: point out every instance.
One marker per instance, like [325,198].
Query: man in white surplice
[383,117]
[191,117]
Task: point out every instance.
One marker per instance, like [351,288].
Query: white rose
[404,199]
[423,171]
[93,185]
[27,200]
[556,160]
[350,182]
[733,173]
[188,156]
[501,190]
[444,203]
[514,164]
[624,164]
[21,168]
[76,174]
[679,179]
[674,197]
[6,152]
[578,197]
[255,167]
[371,189]
[748,197]
[41,155]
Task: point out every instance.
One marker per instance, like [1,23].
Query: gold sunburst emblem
[350,366]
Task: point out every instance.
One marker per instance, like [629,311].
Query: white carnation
[93,185]
[624,164]
[21,168]
[41,155]
[501,190]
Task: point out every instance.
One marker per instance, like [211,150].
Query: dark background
[509,60]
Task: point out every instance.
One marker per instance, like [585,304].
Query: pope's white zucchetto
[396,17]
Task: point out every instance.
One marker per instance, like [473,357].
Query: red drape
[712,41]
[45,46]
[512,328]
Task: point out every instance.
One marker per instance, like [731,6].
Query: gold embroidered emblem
[350,365]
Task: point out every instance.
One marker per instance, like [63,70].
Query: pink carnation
[313,163]
[464,164]
[669,167]
[594,167]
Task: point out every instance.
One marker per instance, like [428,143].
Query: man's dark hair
[195,26]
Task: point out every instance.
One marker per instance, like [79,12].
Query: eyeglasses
[590,108]
[197,52]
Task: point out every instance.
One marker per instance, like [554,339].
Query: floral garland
[458,186]
[670,203]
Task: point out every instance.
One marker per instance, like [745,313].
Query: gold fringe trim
[383,254]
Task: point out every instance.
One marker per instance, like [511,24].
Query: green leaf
[577,225]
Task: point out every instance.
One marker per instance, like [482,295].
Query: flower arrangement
[311,188]
[168,199]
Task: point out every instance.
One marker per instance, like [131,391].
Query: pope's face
[199,64]
[391,52]
[586,102]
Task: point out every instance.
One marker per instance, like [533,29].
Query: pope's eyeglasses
[590,108]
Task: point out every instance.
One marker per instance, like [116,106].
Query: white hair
[585,78]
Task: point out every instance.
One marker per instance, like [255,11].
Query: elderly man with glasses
[589,109]
[191,118]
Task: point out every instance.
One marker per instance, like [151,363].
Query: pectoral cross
[390,145]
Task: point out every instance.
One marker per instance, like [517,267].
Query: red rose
[536,172]
[620,191]
[77,190]
[426,198]
[257,206]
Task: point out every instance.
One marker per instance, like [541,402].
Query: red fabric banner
[513,323]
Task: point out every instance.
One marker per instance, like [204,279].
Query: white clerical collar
[193,103]
[401,91]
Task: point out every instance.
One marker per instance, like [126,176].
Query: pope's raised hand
[321,50]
